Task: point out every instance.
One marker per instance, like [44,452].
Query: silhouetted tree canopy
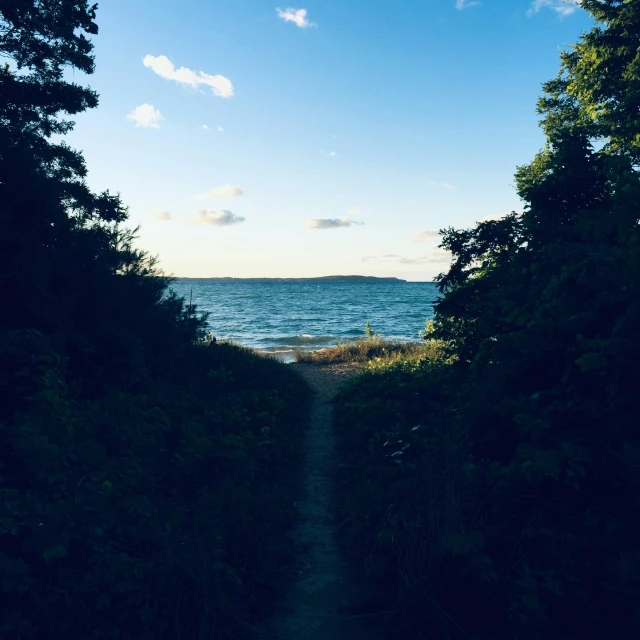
[133,490]
[542,309]
[511,507]
[68,266]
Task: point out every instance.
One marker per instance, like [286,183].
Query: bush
[149,514]
[407,496]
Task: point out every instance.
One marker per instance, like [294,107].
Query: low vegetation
[150,512]
[490,490]
[360,351]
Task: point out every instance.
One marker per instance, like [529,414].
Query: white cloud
[225,192]
[331,223]
[205,127]
[433,256]
[424,236]
[220,128]
[297,16]
[161,216]
[161,65]
[216,218]
[467,4]
[333,154]
[561,7]
[146,115]
[444,185]
[357,211]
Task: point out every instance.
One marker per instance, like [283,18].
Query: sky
[251,139]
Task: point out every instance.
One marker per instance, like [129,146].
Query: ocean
[277,316]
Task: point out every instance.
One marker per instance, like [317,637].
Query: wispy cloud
[357,211]
[424,236]
[333,154]
[494,216]
[206,127]
[297,16]
[225,192]
[146,115]
[433,256]
[444,185]
[162,216]
[161,65]
[561,7]
[331,223]
[216,218]
[467,4]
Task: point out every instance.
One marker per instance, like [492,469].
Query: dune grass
[362,351]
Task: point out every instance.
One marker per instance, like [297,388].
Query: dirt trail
[314,608]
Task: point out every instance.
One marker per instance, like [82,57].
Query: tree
[543,311]
[45,201]
[67,265]
[598,89]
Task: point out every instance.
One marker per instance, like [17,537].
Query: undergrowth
[456,543]
[407,496]
[158,512]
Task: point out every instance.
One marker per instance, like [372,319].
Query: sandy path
[314,608]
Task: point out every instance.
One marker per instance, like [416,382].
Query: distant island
[319,279]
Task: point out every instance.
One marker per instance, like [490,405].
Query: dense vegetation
[146,473]
[490,487]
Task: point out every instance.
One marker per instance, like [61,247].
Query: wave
[284,355]
[302,340]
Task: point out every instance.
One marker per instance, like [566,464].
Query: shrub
[148,514]
[360,351]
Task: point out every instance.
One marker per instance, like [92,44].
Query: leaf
[58,551]
[461,543]
[591,362]
[531,602]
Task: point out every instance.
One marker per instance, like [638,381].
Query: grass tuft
[363,351]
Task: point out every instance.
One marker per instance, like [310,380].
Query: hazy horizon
[326,275]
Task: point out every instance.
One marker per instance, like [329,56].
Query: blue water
[279,316]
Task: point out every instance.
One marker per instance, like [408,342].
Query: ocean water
[278,316]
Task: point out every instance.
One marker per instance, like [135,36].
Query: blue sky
[253,139]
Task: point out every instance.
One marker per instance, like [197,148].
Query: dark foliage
[159,513]
[146,474]
[534,421]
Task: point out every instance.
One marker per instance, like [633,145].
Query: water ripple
[279,316]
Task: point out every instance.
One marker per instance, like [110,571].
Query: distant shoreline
[349,279]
